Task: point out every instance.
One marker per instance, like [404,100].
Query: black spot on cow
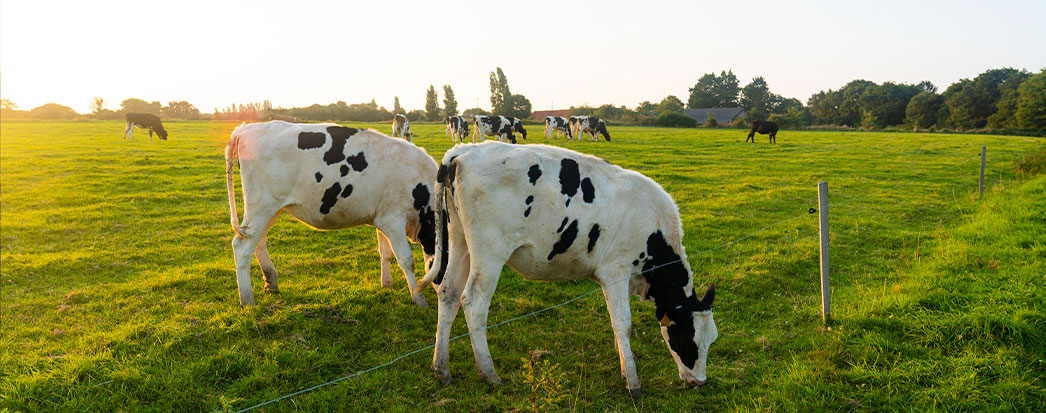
[566,239]
[562,224]
[588,192]
[642,255]
[421,196]
[668,278]
[569,178]
[339,136]
[593,235]
[526,213]
[347,191]
[635,263]
[319,177]
[330,197]
[358,162]
[530,199]
[445,174]
[311,140]
[344,170]
[534,173]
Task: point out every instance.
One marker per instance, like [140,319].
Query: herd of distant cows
[550,213]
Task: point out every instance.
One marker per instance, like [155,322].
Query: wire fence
[806,212]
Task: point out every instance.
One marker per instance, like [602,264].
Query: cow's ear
[707,298]
[665,321]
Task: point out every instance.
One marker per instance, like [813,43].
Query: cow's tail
[230,157]
[439,263]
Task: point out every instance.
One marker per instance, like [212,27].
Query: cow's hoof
[420,301]
[445,378]
[493,379]
[635,393]
[272,289]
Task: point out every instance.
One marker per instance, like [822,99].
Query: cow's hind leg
[449,292]
[272,283]
[615,290]
[773,137]
[483,279]
[386,254]
[255,224]
[395,229]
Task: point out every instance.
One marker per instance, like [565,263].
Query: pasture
[119,290]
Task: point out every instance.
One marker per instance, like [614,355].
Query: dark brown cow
[763,127]
[145,121]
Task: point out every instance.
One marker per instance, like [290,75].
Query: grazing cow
[504,127]
[146,121]
[457,128]
[285,118]
[592,125]
[401,128]
[763,127]
[330,177]
[552,215]
[557,125]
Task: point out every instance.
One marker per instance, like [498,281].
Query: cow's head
[518,127]
[424,203]
[689,330]
[161,132]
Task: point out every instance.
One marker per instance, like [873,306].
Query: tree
[825,107]
[971,102]
[396,108]
[756,99]
[670,104]
[97,106]
[1031,102]
[921,112]
[450,105]
[432,112]
[52,111]
[181,110]
[783,105]
[470,113]
[500,94]
[519,106]
[7,104]
[710,121]
[714,92]
[140,106]
[647,109]
[886,103]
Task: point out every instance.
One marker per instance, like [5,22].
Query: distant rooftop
[540,114]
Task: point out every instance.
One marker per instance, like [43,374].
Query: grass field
[119,292]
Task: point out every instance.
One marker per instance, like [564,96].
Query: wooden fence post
[826,298]
[984,153]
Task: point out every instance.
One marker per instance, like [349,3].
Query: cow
[401,128]
[592,125]
[285,118]
[763,127]
[504,127]
[146,121]
[457,128]
[553,215]
[557,125]
[330,177]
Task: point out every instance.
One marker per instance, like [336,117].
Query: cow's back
[569,213]
[329,176]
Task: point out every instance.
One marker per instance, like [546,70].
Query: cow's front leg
[395,229]
[261,252]
[483,279]
[616,293]
[386,254]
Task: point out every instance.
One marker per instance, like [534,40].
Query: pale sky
[216,53]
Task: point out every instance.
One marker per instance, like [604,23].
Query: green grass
[119,293]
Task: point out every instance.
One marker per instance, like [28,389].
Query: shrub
[675,120]
[1033,163]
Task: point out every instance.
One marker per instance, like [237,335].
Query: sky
[561,53]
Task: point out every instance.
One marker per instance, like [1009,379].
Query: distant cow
[763,127]
[285,118]
[557,125]
[592,125]
[553,215]
[144,121]
[401,128]
[504,127]
[457,128]
[330,177]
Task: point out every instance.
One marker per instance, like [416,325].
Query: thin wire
[533,313]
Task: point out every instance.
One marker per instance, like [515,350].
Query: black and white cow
[553,214]
[504,127]
[763,127]
[592,125]
[457,128]
[330,177]
[401,127]
[144,121]
[557,125]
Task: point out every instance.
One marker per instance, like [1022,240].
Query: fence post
[984,153]
[822,200]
